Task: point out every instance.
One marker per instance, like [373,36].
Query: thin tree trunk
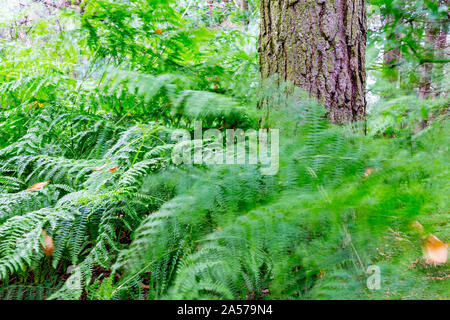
[391,56]
[436,45]
[319,46]
[427,67]
[244,5]
[436,38]
[440,46]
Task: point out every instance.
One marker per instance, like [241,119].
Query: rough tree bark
[319,46]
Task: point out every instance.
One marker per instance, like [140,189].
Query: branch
[423,60]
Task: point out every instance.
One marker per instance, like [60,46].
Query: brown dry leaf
[48,246]
[435,251]
[368,172]
[114,169]
[143,286]
[37,186]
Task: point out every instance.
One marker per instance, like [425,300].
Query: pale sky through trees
[9,7]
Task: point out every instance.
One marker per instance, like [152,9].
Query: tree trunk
[427,68]
[319,46]
[442,52]
[440,46]
[435,48]
[391,56]
[244,5]
[436,42]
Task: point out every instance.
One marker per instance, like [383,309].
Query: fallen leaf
[114,169]
[368,172]
[48,246]
[143,286]
[37,186]
[435,251]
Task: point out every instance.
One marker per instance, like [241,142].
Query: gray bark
[319,46]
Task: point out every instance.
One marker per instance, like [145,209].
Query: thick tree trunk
[319,46]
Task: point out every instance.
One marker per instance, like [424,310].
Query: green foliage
[91,111]
[413,32]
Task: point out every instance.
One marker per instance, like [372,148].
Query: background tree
[244,5]
[392,54]
[320,46]
[413,35]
